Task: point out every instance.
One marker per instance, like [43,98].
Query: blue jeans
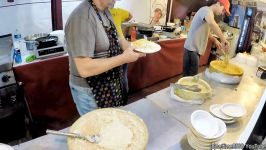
[83,98]
[190,63]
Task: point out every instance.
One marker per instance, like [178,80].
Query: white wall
[34,16]
[27,18]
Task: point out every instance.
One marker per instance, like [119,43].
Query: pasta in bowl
[226,68]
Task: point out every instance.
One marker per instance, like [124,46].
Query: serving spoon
[90,138]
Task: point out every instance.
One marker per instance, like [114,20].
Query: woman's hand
[130,55]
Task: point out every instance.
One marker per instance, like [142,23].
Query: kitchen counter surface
[167,120]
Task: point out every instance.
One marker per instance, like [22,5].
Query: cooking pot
[47,41]
[168,28]
[33,37]
[31,45]
[146,31]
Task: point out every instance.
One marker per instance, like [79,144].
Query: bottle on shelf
[133,33]
[17,35]
[17,56]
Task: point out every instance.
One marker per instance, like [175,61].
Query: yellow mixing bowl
[226,68]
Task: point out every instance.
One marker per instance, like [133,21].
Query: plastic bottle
[17,35]
[17,56]
[133,34]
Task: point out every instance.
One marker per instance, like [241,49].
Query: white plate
[5,147]
[149,47]
[216,111]
[204,123]
[221,130]
[233,110]
[177,98]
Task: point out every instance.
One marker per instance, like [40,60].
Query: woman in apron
[96,57]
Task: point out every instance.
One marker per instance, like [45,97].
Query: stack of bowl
[205,130]
[229,112]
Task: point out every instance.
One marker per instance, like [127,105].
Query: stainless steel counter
[165,132]
[250,93]
[167,119]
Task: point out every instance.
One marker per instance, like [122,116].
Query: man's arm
[215,41]
[216,29]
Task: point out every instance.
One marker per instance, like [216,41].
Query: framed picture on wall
[158,11]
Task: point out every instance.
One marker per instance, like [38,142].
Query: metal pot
[31,45]
[33,37]
[47,41]
[146,31]
[168,28]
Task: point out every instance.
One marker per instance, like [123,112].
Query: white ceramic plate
[233,110]
[221,130]
[5,147]
[149,47]
[216,111]
[177,98]
[204,123]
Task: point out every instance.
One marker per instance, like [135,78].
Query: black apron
[107,88]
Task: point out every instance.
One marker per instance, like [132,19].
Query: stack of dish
[228,113]
[224,72]
[205,130]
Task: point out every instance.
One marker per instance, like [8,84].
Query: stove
[12,112]
[50,51]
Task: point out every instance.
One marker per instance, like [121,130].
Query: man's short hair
[212,2]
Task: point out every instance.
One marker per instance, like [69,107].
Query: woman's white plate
[215,109]
[233,110]
[204,123]
[148,47]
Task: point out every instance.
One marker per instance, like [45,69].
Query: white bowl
[204,123]
[233,110]
[222,129]
[222,78]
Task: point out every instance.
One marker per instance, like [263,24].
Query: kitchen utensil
[261,72]
[206,90]
[228,69]
[215,109]
[90,138]
[31,45]
[193,88]
[47,41]
[204,123]
[33,37]
[146,31]
[233,110]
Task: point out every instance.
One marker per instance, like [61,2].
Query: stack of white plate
[205,130]
[229,112]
